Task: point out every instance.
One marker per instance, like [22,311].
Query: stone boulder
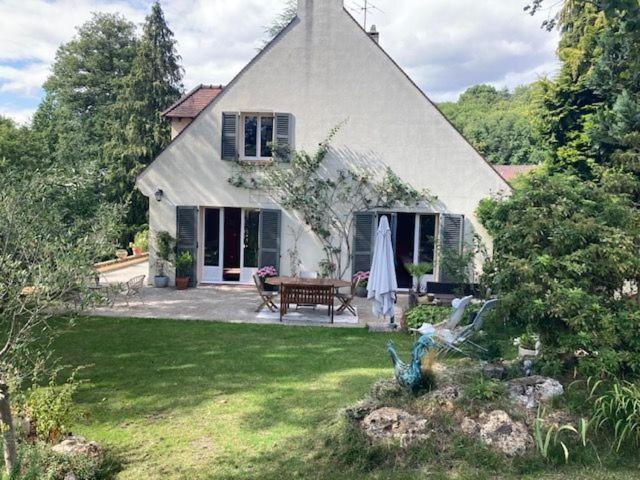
[360,410]
[440,401]
[77,445]
[529,392]
[495,370]
[385,389]
[500,432]
[387,424]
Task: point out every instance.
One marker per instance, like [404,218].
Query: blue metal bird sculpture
[410,376]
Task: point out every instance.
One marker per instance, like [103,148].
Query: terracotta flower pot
[182,283]
[136,250]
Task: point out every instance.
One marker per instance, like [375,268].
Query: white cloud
[21,116]
[445,46]
[448,46]
[25,80]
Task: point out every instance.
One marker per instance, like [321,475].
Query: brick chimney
[374,34]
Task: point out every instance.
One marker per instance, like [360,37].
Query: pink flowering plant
[361,278]
[268,271]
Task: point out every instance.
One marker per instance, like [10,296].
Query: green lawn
[182,399]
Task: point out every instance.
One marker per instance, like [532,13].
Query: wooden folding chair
[346,299]
[266,297]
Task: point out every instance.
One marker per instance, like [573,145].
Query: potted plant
[184,264]
[417,271]
[267,272]
[140,242]
[164,253]
[362,280]
[122,253]
[528,344]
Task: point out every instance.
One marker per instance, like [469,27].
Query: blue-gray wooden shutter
[364,225]
[230,131]
[187,236]
[451,239]
[269,238]
[284,135]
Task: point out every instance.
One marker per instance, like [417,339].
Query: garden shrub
[52,408]
[426,314]
[37,461]
[565,254]
[141,240]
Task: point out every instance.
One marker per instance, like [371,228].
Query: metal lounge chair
[454,338]
[266,297]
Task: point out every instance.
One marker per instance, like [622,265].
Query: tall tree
[154,83]
[87,77]
[569,101]
[590,111]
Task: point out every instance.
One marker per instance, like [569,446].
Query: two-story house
[321,70]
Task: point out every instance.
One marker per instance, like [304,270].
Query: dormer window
[258,135]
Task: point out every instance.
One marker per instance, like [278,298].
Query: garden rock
[388,423]
[495,370]
[386,388]
[501,433]
[360,410]
[529,392]
[77,445]
[442,400]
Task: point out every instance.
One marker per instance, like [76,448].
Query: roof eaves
[181,100]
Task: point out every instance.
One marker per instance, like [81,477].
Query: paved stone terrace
[226,303]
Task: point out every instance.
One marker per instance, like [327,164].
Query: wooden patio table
[307,291]
[322,282]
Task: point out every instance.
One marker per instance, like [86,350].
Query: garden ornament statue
[410,376]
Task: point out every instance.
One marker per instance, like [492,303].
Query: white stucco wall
[324,69]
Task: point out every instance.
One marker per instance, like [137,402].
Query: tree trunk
[6,428]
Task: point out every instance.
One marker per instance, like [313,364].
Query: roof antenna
[365,9]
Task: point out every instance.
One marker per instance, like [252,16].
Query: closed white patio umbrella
[382,284]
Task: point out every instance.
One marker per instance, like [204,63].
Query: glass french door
[413,240]
[213,245]
[231,244]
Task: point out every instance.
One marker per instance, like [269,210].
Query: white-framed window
[257,135]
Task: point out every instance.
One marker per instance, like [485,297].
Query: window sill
[255,161]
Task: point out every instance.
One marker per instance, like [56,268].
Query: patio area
[225,303]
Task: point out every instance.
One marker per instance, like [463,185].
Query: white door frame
[212,274]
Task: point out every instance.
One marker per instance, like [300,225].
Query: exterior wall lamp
[159,194]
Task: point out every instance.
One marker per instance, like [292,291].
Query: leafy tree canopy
[565,250]
[500,124]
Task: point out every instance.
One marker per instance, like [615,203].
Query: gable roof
[192,103]
[272,42]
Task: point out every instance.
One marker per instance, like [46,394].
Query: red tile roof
[191,104]
[509,172]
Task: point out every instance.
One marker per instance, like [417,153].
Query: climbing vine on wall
[326,198]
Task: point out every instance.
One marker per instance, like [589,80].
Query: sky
[446,46]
